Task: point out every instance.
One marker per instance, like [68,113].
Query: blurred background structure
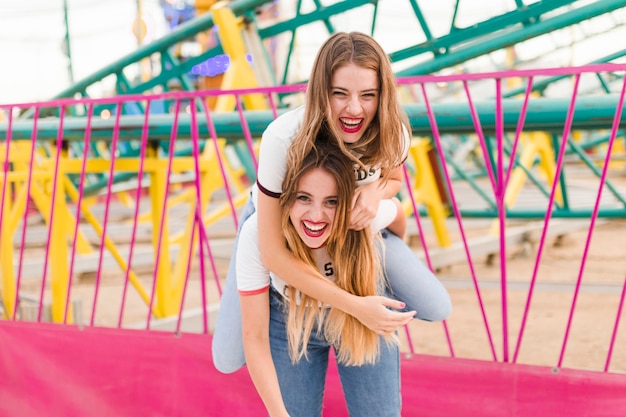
[128,140]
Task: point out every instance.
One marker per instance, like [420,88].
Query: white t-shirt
[275,143]
[254,278]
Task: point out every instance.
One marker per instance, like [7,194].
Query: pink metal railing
[498,179]
[499,183]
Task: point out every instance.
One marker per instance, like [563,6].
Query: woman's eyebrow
[367,90]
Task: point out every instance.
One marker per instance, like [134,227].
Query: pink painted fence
[117,217]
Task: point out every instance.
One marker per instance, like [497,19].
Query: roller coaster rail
[435,53]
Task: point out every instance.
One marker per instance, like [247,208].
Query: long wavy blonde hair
[356,264]
[382,144]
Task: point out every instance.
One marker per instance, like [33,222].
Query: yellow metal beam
[426,190]
[203,6]
[58,254]
[6,256]
[536,146]
[240,74]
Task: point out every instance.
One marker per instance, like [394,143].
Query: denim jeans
[369,390]
[227,344]
[409,279]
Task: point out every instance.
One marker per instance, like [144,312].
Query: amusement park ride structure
[180,133]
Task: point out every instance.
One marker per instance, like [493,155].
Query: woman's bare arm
[398,225]
[371,311]
[367,197]
[255,317]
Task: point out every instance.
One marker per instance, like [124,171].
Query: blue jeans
[227,345]
[409,279]
[369,390]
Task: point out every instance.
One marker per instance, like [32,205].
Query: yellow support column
[240,74]
[426,190]
[59,268]
[7,274]
[534,145]
[157,168]
[616,162]
[619,149]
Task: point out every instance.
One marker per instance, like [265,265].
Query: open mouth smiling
[314,230]
[350,125]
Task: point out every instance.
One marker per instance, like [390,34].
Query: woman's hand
[365,205]
[367,198]
[374,312]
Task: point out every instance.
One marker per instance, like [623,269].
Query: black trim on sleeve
[267,192]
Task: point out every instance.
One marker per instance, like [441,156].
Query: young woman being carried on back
[351,93]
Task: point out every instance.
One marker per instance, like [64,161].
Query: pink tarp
[55,370]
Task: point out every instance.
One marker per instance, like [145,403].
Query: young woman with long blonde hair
[288,335]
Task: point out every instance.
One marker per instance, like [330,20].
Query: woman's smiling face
[313,211]
[354,99]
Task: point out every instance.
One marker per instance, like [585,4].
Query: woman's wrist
[344,301]
[352,304]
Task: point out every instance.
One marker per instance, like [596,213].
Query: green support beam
[543,114]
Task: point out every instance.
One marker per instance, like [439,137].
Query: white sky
[32,32]
[34,67]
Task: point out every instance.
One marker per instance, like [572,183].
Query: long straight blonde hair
[356,264]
